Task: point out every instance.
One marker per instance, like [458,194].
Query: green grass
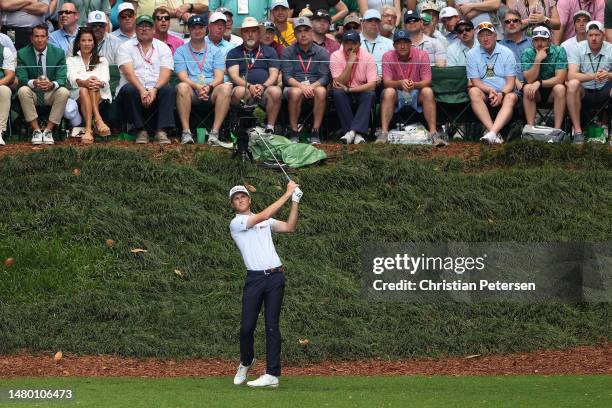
[525,391]
[68,291]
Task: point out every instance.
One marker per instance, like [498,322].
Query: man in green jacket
[41,71]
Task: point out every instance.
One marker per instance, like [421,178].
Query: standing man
[265,280]
[457,52]
[41,70]
[161,18]
[566,10]
[321,20]
[581,18]
[64,37]
[108,44]
[146,65]
[127,22]
[7,77]
[20,16]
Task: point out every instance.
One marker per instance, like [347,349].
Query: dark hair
[95,57]
[160,10]
[41,27]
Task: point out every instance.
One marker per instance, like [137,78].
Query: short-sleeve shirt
[9,61]
[61,39]
[173,42]
[364,70]
[109,47]
[259,62]
[417,68]
[288,36]
[311,65]
[22,18]
[146,67]
[255,243]
[556,60]
[492,68]
[589,63]
[85,6]
[456,54]
[377,48]
[434,49]
[567,8]
[186,59]
[570,45]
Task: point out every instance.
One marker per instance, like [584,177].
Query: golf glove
[297,195]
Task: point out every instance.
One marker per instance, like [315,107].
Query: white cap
[447,12]
[371,13]
[125,6]
[238,189]
[216,16]
[96,17]
[249,22]
[279,3]
[541,32]
[595,24]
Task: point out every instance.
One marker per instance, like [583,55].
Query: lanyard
[195,58]
[371,51]
[595,69]
[146,58]
[401,67]
[306,68]
[253,60]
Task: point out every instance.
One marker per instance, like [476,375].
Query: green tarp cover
[292,154]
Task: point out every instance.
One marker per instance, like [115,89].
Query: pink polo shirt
[364,70]
[567,8]
[417,68]
[173,42]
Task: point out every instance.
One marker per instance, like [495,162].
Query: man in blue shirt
[515,40]
[491,68]
[64,37]
[200,69]
[254,70]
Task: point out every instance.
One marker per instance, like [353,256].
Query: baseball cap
[582,13]
[224,10]
[238,189]
[426,17]
[197,19]
[96,17]
[322,13]
[411,15]
[145,18]
[448,12]
[485,25]
[595,25]
[428,5]
[464,22]
[371,13]
[351,35]
[279,3]
[125,6]
[352,19]
[216,16]
[401,35]
[267,25]
[249,22]
[541,32]
[302,22]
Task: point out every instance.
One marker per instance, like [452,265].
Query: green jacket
[27,68]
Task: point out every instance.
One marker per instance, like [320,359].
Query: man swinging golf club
[265,280]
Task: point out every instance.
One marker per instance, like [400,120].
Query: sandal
[87,138]
[102,129]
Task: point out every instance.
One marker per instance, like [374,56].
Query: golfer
[265,280]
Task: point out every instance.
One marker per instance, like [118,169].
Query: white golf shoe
[348,137]
[241,374]
[265,380]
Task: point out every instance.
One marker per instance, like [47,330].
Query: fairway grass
[417,391]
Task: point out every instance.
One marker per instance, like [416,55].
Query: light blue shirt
[501,61]
[63,40]
[213,59]
[589,63]
[517,49]
[456,54]
[119,34]
[224,46]
[377,48]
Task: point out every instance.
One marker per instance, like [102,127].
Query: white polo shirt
[146,67]
[255,243]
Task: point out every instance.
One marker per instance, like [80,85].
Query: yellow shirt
[288,35]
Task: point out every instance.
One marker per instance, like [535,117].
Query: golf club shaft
[273,155]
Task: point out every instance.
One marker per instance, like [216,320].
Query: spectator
[6,42]
[407,81]
[41,70]
[280,12]
[180,11]
[608,19]
[216,27]
[108,44]
[229,23]
[491,69]
[257,9]
[478,11]
[200,69]
[581,18]
[85,7]
[64,37]
[161,18]
[27,14]
[268,37]
[89,77]
[306,80]
[589,75]
[456,55]
[413,23]
[296,7]
[7,77]
[567,9]
[432,9]
[536,12]
[254,70]
[352,22]
[146,65]
[354,79]
[321,20]
[374,43]
[515,39]
[365,5]
[390,20]
[430,30]
[545,69]
[449,17]
[127,22]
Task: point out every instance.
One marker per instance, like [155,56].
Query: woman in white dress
[89,77]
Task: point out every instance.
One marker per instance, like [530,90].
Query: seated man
[307,79]
[41,70]
[7,76]
[200,69]
[456,53]
[268,37]
[108,44]
[321,21]
[589,75]
[253,68]
[407,81]
[581,18]
[161,18]
[127,19]
[354,79]
[545,68]
[374,43]
[146,65]
[491,69]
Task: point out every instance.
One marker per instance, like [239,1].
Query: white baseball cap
[447,12]
[279,3]
[371,13]
[238,189]
[125,6]
[595,24]
[216,16]
[541,32]
[96,17]
[249,22]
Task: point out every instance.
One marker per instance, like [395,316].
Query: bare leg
[86,107]
[320,102]
[183,103]
[558,94]
[387,106]
[221,98]
[530,106]
[505,113]
[574,100]
[479,107]
[426,97]
[296,97]
[273,102]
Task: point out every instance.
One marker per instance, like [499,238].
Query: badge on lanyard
[490,72]
[201,79]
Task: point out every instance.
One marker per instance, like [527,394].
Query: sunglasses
[464,30]
[512,20]
[162,18]
[67,12]
[126,15]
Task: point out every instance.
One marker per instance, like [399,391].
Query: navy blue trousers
[267,290]
[358,121]
[162,109]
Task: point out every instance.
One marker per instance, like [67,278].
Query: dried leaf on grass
[137,250]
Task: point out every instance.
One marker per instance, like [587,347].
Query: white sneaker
[37,137]
[213,140]
[47,137]
[265,380]
[2,143]
[241,374]
[498,139]
[348,137]
[489,137]
[359,139]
